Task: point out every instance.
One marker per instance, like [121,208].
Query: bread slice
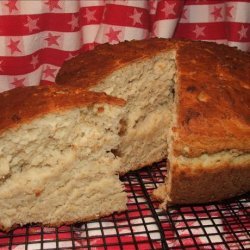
[186,100]
[56,156]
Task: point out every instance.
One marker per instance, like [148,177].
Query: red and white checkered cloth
[37,36]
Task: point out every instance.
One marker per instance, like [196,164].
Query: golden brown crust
[214,99]
[214,89]
[204,185]
[21,105]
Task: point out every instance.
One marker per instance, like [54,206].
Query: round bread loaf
[195,94]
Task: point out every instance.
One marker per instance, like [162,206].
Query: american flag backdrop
[36,36]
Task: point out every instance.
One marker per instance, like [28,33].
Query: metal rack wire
[224,225]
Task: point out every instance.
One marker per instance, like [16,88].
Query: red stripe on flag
[91,15]
[21,25]
[236,32]
[26,64]
[168,10]
[126,16]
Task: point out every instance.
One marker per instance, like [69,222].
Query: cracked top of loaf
[214,99]
[20,105]
[213,89]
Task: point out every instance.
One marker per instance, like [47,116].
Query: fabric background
[36,36]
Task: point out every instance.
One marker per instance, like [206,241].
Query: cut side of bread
[148,88]
[188,101]
[56,156]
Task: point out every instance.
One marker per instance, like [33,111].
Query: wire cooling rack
[224,225]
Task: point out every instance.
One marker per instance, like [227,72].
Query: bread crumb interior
[61,168]
[148,87]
